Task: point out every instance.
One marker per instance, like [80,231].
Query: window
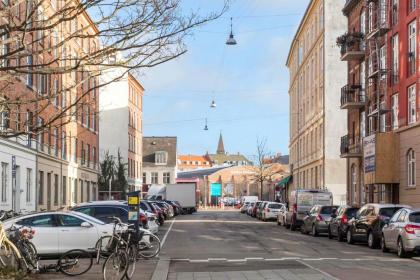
[64,190]
[383,8]
[363,22]
[4,48]
[411,5]
[394,108]
[94,156]
[412,104]
[382,121]
[69,221]
[411,168]
[82,192]
[42,84]
[56,141]
[29,76]
[144,177]
[38,221]
[395,64]
[55,93]
[412,48]
[74,149]
[4,181]
[394,12]
[55,189]
[82,151]
[41,188]
[362,71]
[88,154]
[154,178]
[382,63]
[371,10]
[63,145]
[4,119]
[166,177]
[28,184]
[161,157]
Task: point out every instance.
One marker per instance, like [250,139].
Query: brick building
[382,101]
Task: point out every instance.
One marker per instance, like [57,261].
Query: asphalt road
[230,245]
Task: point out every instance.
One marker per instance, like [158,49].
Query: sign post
[133,199]
[15,193]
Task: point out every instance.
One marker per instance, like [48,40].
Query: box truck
[185,194]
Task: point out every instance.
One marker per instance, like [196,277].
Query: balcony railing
[352,46]
[350,147]
[352,97]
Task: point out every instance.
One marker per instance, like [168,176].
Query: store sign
[229,189]
[216,189]
[369,145]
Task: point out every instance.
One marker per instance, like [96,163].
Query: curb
[162,269]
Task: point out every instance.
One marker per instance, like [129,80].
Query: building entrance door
[48,191]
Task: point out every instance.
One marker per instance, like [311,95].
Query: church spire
[220,146]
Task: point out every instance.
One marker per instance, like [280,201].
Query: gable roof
[154,144]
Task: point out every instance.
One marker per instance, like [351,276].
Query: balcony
[350,148]
[352,46]
[352,97]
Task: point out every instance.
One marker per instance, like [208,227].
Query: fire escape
[378,72]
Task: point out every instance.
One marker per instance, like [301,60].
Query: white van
[301,201]
[250,198]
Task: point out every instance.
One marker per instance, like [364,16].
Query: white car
[61,231]
[271,211]
[151,222]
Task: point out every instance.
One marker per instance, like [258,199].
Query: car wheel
[383,245]
[372,242]
[400,249]
[302,229]
[314,231]
[329,233]
[349,236]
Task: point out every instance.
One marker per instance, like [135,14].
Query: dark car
[105,210]
[339,222]
[177,207]
[367,225]
[317,219]
[153,208]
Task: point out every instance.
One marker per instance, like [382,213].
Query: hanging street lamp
[231,40]
[205,126]
[213,104]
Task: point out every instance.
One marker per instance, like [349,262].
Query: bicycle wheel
[11,260]
[132,259]
[75,262]
[149,246]
[29,253]
[116,265]
[103,247]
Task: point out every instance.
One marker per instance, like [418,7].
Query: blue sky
[249,81]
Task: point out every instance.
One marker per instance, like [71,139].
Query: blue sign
[216,189]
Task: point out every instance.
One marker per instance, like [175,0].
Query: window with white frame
[395,12]
[4,180]
[382,120]
[411,168]
[362,125]
[411,5]
[154,178]
[394,109]
[383,11]
[370,16]
[395,52]
[370,128]
[370,65]
[362,78]
[382,63]
[412,104]
[412,47]
[4,48]
[28,184]
[161,157]
[166,177]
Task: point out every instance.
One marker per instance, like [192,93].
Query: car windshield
[351,212]
[414,217]
[389,211]
[87,217]
[327,210]
[274,206]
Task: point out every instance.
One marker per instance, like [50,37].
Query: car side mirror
[85,225]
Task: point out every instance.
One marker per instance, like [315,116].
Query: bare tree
[52,53]
[263,170]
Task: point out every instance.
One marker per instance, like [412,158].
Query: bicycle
[149,245]
[72,263]
[20,236]
[11,256]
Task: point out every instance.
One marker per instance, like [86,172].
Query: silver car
[402,232]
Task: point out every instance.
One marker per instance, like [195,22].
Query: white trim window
[370,16]
[4,180]
[412,100]
[161,158]
[382,120]
[395,62]
[382,62]
[362,125]
[394,108]
[28,184]
[383,13]
[362,71]
[412,47]
[411,168]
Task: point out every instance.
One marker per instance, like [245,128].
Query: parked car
[281,216]
[250,208]
[145,204]
[244,207]
[339,222]
[105,210]
[176,206]
[402,233]
[301,201]
[367,225]
[255,208]
[317,219]
[61,231]
[258,213]
[270,211]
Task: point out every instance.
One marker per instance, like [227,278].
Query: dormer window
[161,158]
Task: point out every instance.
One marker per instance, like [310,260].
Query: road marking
[217,259]
[237,260]
[166,234]
[254,259]
[199,261]
[316,269]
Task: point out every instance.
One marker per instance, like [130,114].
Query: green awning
[284,181]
